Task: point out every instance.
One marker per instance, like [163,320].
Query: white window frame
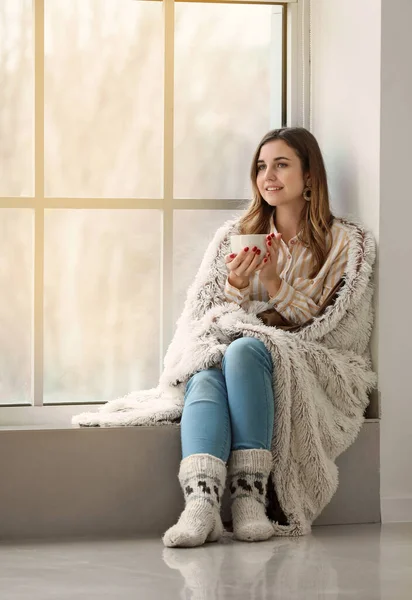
[296,89]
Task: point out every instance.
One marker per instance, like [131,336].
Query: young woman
[229,412]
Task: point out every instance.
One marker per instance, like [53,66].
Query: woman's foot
[202,478]
[248,472]
[197,524]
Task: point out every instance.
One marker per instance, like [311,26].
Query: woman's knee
[245,347]
[204,375]
[205,380]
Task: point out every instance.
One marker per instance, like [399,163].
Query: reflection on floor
[368,562]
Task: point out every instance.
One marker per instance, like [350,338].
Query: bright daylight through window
[127,128]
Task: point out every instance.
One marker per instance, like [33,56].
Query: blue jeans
[230,408]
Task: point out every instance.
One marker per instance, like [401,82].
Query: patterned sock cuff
[248,473]
[246,485]
[203,476]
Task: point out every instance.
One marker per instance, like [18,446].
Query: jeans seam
[266,356]
[268,434]
[224,444]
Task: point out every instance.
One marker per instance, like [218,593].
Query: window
[127,130]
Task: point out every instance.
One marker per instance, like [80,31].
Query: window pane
[192,231]
[16,275]
[102,303]
[227,94]
[16,98]
[104,98]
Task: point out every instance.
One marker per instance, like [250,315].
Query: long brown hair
[316,218]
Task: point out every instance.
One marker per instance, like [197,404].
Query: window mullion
[166,309]
[38,262]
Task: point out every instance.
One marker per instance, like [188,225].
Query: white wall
[395,273]
[361,93]
[345,102]
[346,107]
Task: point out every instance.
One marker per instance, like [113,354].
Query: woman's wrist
[238,282]
[273,286]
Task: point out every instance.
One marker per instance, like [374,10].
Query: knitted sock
[202,478]
[248,472]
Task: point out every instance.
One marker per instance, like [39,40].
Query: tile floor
[369,562]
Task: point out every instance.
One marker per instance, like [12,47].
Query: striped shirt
[299,298]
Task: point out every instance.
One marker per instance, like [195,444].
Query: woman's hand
[241,266]
[268,274]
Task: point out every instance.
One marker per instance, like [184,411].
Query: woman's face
[279,174]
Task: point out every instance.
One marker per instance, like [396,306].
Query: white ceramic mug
[238,242]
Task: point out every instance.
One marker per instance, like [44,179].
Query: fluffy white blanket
[322,374]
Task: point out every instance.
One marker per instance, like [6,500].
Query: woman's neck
[287,221]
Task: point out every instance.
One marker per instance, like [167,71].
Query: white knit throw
[322,374]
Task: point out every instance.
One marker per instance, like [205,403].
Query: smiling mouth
[274,189]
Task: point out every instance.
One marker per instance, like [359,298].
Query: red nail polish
[265,260]
[254,248]
[232,255]
[269,243]
[246,249]
[258,251]
[272,235]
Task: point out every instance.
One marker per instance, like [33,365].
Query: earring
[307,194]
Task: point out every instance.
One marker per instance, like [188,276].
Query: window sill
[48,417]
[63,426]
[35,427]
